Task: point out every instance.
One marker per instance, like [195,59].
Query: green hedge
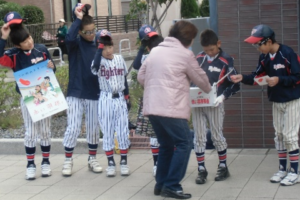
[33,14]
[189,9]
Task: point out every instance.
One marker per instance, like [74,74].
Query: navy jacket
[82,83]
[16,59]
[285,65]
[217,69]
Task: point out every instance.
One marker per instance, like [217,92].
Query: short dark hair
[272,38]
[154,41]
[47,77]
[18,34]
[86,20]
[106,41]
[184,31]
[208,37]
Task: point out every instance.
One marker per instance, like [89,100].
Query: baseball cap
[260,32]
[13,18]
[102,33]
[84,7]
[62,20]
[146,30]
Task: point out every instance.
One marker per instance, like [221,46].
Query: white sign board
[198,98]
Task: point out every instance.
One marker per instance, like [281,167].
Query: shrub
[9,99]
[62,76]
[8,7]
[135,92]
[189,9]
[33,14]
[204,8]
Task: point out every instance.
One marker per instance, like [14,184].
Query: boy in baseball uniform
[281,64]
[23,55]
[83,89]
[111,70]
[216,63]
[149,39]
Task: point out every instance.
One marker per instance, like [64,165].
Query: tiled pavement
[250,172]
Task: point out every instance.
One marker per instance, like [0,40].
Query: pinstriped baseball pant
[286,121]
[113,117]
[75,112]
[214,116]
[40,129]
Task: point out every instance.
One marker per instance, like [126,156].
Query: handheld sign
[40,91]
[261,80]
[198,98]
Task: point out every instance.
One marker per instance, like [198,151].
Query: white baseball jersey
[144,57]
[113,114]
[111,74]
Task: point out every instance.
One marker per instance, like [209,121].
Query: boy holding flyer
[24,55]
[281,65]
[217,65]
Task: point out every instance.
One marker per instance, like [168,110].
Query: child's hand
[5,30]
[50,64]
[236,78]
[78,12]
[272,81]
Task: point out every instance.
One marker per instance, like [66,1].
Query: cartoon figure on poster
[42,97]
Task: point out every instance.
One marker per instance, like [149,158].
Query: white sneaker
[30,172]
[111,171]
[67,167]
[94,165]
[154,170]
[46,170]
[290,179]
[277,177]
[125,170]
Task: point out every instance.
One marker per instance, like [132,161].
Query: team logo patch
[10,17]
[279,66]
[147,30]
[213,69]
[253,31]
[103,32]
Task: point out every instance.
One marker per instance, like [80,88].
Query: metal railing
[117,23]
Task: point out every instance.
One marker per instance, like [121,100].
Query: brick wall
[248,120]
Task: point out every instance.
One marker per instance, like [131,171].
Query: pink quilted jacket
[166,75]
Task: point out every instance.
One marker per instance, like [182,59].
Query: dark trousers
[63,48]
[172,164]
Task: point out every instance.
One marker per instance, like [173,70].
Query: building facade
[58,9]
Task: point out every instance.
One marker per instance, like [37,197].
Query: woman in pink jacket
[166,75]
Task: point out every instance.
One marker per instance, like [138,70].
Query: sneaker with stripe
[30,172]
[46,170]
[290,179]
[279,176]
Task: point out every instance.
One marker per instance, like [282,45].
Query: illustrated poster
[40,90]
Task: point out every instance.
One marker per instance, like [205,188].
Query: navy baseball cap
[102,33]
[13,18]
[147,30]
[260,32]
[84,7]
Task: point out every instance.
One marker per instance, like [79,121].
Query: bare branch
[167,7]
